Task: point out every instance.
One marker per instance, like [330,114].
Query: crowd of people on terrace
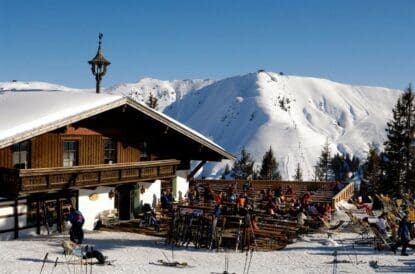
[284,201]
[281,201]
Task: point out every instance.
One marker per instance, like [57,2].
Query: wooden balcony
[15,182]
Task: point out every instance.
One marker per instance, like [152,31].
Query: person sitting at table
[219,198]
[241,202]
[312,210]
[208,195]
[167,200]
[270,207]
[231,198]
[192,195]
[231,189]
[289,193]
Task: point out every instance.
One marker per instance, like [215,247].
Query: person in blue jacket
[77,220]
[404,234]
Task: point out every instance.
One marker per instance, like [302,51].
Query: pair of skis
[244,231]
[239,235]
[44,262]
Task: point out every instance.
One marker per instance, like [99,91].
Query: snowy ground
[132,254]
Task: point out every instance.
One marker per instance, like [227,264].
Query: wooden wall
[6,157]
[127,153]
[91,149]
[47,150]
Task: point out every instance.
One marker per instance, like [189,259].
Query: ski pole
[44,261]
[92,252]
[86,259]
[54,266]
[250,260]
[246,260]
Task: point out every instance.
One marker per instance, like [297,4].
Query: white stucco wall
[180,184]
[8,222]
[92,208]
[152,193]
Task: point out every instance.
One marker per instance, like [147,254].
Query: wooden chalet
[95,151]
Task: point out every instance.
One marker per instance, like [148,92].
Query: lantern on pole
[99,65]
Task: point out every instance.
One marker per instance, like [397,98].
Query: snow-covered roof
[25,114]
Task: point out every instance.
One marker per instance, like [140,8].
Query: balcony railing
[14,182]
[345,194]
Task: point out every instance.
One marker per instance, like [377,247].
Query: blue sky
[358,42]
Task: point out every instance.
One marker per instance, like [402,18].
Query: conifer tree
[372,173]
[244,166]
[152,101]
[323,170]
[353,165]
[269,167]
[298,176]
[399,152]
[339,167]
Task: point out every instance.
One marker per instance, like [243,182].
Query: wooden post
[38,216]
[58,215]
[16,219]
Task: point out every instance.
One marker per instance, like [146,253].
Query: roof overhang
[160,117]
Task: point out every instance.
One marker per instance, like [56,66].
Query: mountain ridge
[292,114]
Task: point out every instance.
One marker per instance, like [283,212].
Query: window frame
[144,154]
[110,153]
[75,151]
[19,149]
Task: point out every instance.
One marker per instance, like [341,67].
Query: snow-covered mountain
[167,92]
[33,86]
[294,115]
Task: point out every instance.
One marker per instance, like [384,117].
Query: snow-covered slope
[292,114]
[167,92]
[33,86]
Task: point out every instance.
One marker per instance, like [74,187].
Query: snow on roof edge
[32,132]
[161,117]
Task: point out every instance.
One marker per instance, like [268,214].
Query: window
[144,151]
[110,151]
[70,153]
[21,155]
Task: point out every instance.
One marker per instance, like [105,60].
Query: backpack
[78,218]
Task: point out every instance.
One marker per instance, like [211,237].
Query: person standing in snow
[382,224]
[77,220]
[404,235]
